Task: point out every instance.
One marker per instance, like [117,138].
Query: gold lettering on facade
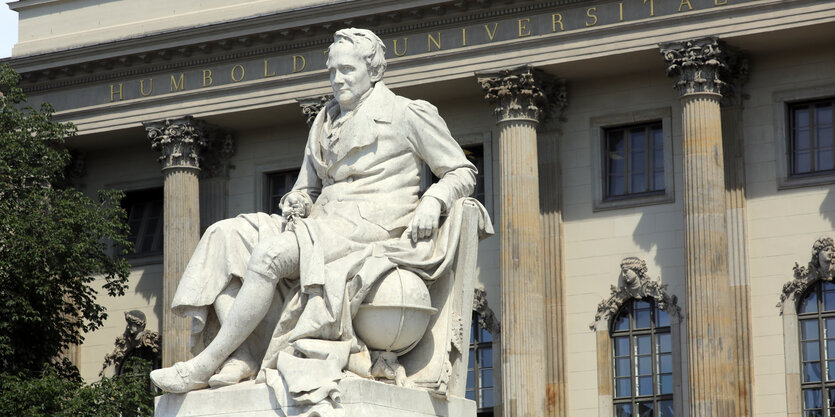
[651,7]
[267,73]
[463,36]
[620,6]
[242,70]
[114,91]
[207,78]
[557,18]
[142,87]
[299,63]
[492,34]
[523,27]
[405,47]
[430,40]
[719,2]
[178,84]
[591,16]
[683,2]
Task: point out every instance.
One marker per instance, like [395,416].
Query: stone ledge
[360,397]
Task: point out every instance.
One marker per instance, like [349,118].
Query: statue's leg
[271,259]
[240,364]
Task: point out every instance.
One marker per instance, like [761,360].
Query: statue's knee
[223,227]
[277,256]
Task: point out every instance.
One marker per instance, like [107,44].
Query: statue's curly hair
[821,244]
[636,264]
[135,317]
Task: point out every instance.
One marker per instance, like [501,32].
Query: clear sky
[8,29]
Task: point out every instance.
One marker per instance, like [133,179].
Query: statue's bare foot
[178,379]
[233,371]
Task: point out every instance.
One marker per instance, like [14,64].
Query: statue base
[360,398]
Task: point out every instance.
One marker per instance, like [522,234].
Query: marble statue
[274,298]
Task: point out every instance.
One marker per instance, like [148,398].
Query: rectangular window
[634,160]
[144,209]
[811,147]
[278,184]
[480,382]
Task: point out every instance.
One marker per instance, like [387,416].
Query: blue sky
[8,29]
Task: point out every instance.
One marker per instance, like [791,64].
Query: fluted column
[520,101]
[180,141]
[713,346]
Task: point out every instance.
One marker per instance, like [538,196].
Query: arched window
[480,368]
[816,316]
[642,360]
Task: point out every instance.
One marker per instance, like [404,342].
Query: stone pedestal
[360,398]
[180,141]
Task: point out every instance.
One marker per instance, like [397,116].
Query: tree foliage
[54,240]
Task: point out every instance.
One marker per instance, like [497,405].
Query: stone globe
[395,313]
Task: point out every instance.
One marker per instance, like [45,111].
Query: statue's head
[823,255]
[632,269]
[356,61]
[136,321]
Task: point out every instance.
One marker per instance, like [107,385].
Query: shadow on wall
[653,232]
[148,285]
[827,209]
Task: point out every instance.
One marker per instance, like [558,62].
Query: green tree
[53,239]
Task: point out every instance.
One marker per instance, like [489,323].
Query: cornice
[262,35]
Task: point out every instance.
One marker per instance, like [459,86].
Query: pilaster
[715,336]
[180,142]
[520,98]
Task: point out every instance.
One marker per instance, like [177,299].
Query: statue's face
[630,277]
[825,258]
[349,74]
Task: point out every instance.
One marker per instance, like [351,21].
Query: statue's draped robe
[360,177]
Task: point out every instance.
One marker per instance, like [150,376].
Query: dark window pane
[470,395]
[622,367]
[662,319]
[638,183]
[812,372]
[645,409]
[810,303]
[811,398]
[622,387]
[665,384]
[825,160]
[813,413]
[666,409]
[622,322]
[802,162]
[830,350]
[664,344]
[829,300]
[470,380]
[642,319]
[809,329]
[802,140]
[622,346]
[617,185]
[487,398]
[830,371]
[486,380]
[623,410]
[280,183]
[823,114]
[471,360]
[801,117]
[643,345]
[644,365]
[811,351]
[829,328]
[484,335]
[485,357]
[645,385]
[665,363]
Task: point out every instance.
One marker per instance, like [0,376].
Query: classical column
[713,345]
[180,141]
[520,101]
[550,190]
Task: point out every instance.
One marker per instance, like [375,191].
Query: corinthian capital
[180,140]
[311,106]
[701,65]
[522,93]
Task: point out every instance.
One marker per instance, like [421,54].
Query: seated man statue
[282,290]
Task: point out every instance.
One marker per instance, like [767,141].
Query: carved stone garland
[643,287]
[700,65]
[820,268]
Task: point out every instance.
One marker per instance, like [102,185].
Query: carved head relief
[823,256]
[631,271]
[136,321]
[820,267]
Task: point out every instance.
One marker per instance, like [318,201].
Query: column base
[360,398]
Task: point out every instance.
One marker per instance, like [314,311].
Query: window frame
[631,332]
[781,105]
[598,127]
[136,258]
[648,128]
[267,188]
[791,140]
[475,346]
[820,316]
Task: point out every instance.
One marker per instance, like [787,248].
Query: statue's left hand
[425,222]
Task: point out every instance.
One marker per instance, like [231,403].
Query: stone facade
[723,236]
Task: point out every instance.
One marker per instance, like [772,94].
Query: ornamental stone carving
[311,106]
[180,140]
[635,283]
[820,267]
[135,342]
[486,317]
[522,93]
[701,65]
